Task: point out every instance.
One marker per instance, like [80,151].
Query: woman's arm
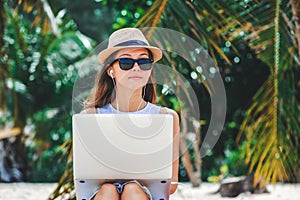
[176,140]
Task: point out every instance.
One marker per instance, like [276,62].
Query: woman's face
[134,78]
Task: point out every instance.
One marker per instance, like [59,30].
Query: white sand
[38,191]
[26,191]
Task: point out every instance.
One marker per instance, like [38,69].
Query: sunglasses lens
[128,63]
[145,63]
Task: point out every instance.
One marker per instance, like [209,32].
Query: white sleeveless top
[149,109]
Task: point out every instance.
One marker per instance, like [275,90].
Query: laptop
[108,147]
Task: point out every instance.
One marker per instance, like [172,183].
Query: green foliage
[49,167]
[217,177]
[39,75]
[233,164]
[235,161]
[97,19]
[44,152]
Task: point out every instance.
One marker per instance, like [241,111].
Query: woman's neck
[129,101]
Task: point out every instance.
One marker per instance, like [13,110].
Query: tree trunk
[198,160]
[194,175]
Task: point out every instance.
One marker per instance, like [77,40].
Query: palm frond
[153,16]
[208,22]
[272,115]
[65,186]
[44,16]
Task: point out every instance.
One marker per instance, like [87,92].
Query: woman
[124,85]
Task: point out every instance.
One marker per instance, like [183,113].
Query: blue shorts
[120,186]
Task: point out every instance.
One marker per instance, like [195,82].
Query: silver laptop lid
[122,146]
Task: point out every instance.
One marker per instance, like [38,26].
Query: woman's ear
[110,72]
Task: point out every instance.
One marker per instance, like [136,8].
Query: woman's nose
[136,67]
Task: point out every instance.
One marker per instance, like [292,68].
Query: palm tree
[272,121]
[271,29]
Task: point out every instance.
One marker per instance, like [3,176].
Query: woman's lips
[135,77]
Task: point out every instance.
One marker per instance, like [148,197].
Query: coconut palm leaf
[272,121]
[206,21]
[270,26]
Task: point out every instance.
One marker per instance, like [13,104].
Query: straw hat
[128,38]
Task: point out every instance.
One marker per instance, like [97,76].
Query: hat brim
[103,55]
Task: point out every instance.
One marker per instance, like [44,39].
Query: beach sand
[41,191]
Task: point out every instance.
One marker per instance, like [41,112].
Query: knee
[108,187]
[132,188]
[107,191]
[133,191]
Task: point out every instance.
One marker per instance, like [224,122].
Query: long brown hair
[103,91]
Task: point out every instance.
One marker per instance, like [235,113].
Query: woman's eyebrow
[125,54]
[128,54]
[143,54]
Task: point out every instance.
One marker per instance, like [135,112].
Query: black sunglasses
[128,63]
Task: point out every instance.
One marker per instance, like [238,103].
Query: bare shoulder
[89,111]
[166,110]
